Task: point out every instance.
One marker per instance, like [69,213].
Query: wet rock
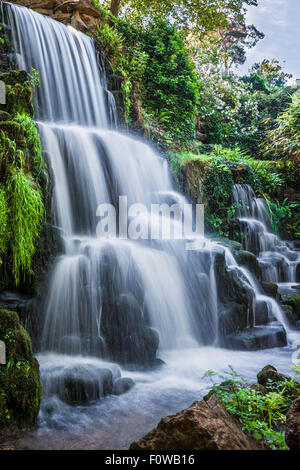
[269,374]
[292,427]
[250,261]
[231,320]
[293,301]
[206,425]
[123,385]
[81,386]
[298,271]
[262,315]
[257,338]
[20,385]
[271,289]
[127,337]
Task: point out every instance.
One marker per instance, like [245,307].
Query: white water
[277,258]
[91,164]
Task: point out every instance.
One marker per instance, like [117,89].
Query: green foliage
[10,155]
[239,111]
[35,149]
[154,67]
[171,84]
[20,385]
[215,181]
[262,414]
[26,215]
[271,71]
[4,223]
[285,217]
[284,140]
[34,78]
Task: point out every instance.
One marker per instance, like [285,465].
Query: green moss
[292,301]
[271,289]
[249,260]
[4,116]
[15,131]
[18,93]
[20,385]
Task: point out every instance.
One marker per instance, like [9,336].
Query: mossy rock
[271,289]
[292,317]
[20,385]
[18,93]
[249,260]
[4,116]
[15,131]
[14,76]
[292,300]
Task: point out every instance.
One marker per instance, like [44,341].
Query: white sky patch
[279,21]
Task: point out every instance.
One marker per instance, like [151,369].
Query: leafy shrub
[262,414]
[35,148]
[4,223]
[284,140]
[26,215]
[217,180]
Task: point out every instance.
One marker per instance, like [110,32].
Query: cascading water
[278,259]
[93,164]
[112,299]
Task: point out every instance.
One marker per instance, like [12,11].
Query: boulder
[271,289]
[253,339]
[80,384]
[292,427]
[20,384]
[123,385]
[269,373]
[206,425]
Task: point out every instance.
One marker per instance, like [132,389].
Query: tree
[272,71]
[115,7]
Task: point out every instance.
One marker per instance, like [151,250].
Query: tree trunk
[115,7]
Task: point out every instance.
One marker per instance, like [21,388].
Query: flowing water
[278,259]
[151,291]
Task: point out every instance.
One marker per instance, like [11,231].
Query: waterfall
[140,286]
[278,259]
[110,297]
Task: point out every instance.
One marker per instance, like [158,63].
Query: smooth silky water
[92,163]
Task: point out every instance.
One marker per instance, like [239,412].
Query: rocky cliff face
[81,14]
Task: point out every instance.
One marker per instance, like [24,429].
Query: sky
[279,20]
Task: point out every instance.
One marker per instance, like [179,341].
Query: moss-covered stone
[20,385]
[271,379]
[293,313]
[18,92]
[16,132]
[271,289]
[249,260]
[4,116]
